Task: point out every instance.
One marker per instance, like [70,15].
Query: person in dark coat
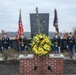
[71,44]
[5,42]
[56,43]
[23,43]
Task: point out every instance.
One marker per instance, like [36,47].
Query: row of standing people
[70,44]
[56,43]
[6,43]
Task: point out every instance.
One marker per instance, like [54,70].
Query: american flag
[20,26]
[55,23]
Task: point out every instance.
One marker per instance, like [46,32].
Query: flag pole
[37,19]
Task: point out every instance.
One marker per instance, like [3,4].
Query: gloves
[25,46]
[67,46]
[59,48]
[2,48]
[8,47]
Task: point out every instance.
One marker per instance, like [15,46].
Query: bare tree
[74,31]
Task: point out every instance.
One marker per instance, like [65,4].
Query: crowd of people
[56,43]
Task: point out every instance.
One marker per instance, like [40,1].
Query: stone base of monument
[51,64]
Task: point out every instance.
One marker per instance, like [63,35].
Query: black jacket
[56,41]
[5,42]
[70,40]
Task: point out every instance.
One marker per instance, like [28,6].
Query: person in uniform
[5,42]
[56,43]
[71,44]
[23,43]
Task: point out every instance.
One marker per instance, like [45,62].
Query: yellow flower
[41,44]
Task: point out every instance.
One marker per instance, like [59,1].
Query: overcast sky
[9,13]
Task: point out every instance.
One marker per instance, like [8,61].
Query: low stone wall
[44,65]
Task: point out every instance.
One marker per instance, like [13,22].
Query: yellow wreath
[41,44]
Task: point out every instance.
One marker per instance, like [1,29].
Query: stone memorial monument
[39,23]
